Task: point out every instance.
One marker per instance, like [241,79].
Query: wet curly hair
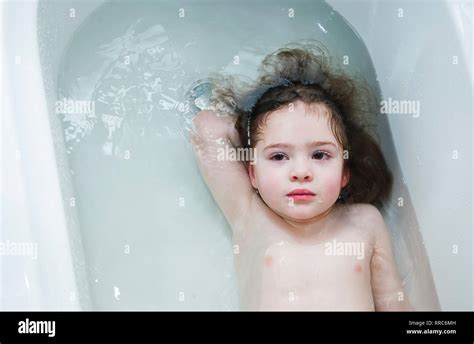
[304,72]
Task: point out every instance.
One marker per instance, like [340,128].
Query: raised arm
[227,180]
[387,288]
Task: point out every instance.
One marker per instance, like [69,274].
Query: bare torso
[326,269]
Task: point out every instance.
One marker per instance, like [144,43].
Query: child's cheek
[270,180]
[273,183]
[333,186]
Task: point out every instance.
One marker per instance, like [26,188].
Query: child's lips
[301,195]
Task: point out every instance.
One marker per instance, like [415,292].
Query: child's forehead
[298,114]
[297,128]
[302,107]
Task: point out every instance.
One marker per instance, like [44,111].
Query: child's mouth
[301,195]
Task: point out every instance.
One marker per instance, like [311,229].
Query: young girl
[303,199]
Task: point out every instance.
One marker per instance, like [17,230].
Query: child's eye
[320,155]
[278,156]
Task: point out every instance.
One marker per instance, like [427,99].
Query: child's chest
[333,261]
[335,271]
[324,276]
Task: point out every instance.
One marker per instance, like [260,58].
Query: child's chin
[302,214]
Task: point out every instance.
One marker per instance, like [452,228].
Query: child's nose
[301,175]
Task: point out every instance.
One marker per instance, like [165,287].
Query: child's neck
[315,226]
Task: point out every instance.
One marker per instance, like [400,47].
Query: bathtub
[112,213]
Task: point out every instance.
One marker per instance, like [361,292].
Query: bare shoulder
[366,210]
[366,217]
[363,213]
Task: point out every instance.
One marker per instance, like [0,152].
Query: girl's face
[299,169]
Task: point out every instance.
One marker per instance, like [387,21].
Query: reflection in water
[141,79]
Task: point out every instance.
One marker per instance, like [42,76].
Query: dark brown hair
[303,72]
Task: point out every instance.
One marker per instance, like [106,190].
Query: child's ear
[346,175]
[253,179]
